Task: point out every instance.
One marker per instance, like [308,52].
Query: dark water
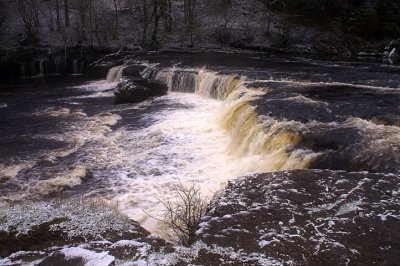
[347,111]
[245,114]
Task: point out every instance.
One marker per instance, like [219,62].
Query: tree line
[96,22]
[369,19]
[99,22]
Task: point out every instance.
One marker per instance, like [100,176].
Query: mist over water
[211,128]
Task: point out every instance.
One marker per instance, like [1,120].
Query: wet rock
[73,233]
[58,258]
[98,71]
[309,217]
[393,55]
[155,85]
[134,70]
[40,226]
[40,235]
[391,52]
[134,90]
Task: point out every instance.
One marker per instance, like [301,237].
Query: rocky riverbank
[290,217]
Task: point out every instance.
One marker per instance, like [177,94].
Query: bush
[183,215]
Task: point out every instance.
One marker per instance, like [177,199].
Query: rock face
[71,233]
[132,90]
[133,70]
[298,217]
[309,218]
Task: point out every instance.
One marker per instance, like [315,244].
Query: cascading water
[209,129]
[269,141]
[292,143]
[115,74]
[75,70]
[178,137]
[41,68]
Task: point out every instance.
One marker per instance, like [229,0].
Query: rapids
[70,140]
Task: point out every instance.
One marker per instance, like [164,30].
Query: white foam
[184,144]
[12,170]
[69,179]
[141,165]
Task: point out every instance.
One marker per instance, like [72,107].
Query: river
[224,117]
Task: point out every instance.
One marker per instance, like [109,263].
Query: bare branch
[183,215]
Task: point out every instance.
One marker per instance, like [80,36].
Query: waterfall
[273,142]
[75,67]
[42,67]
[202,82]
[115,74]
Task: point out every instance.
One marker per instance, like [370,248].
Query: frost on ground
[297,217]
[88,220]
[36,231]
[309,217]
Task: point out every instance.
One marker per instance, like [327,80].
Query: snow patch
[90,258]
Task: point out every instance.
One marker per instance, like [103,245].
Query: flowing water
[70,140]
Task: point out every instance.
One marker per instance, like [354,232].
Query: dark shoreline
[95,61]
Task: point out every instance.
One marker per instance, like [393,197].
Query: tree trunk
[269,19]
[189,12]
[116,19]
[156,20]
[166,14]
[58,21]
[91,24]
[29,12]
[169,18]
[66,13]
[145,24]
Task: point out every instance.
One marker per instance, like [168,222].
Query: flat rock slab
[309,217]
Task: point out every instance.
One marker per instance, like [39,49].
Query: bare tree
[149,14]
[84,7]
[271,4]
[116,19]
[2,22]
[58,19]
[101,23]
[156,16]
[190,17]
[166,13]
[66,12]
[183,216]
[2,17]
[50,16]
[146,22]
[29,13]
